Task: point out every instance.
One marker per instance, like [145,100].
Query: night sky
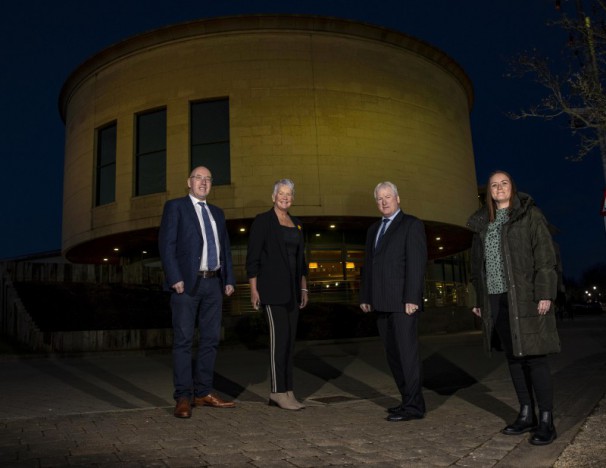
[42,42]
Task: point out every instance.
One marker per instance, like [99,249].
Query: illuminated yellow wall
[335,105]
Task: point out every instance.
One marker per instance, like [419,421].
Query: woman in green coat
[513,265]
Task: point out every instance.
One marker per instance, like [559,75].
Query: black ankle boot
[526,421]
[545,433]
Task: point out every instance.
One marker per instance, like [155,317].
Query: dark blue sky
[42,42]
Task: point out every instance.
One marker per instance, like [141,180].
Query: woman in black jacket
[276,269]
[513,265]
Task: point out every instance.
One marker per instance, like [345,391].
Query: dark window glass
[151,153]
[106,165]
[210,139]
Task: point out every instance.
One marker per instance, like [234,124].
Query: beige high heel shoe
[293,399]
[282,400]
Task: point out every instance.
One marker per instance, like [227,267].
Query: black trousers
[398,332]
[282,321]
[530,375]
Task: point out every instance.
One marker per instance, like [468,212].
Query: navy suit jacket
[180,241]
[394,272]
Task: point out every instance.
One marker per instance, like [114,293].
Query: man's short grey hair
[386,185]
[279,183]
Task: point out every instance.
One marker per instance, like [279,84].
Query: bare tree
[576,89]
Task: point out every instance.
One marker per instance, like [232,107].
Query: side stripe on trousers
[272,348]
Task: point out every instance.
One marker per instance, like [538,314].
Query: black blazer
[267,260]
[393,274]
[180,242]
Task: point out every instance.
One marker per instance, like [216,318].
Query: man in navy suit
[196,258]
[392,287]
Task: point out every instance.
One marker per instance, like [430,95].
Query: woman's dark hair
[490,203]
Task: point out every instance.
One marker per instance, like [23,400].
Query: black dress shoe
[395,409]
[403,416]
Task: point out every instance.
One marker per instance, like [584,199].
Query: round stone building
[337,106]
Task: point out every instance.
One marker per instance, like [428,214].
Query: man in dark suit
[392,287]
[196,258]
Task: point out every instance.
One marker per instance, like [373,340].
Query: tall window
[210,138]
[106,165]
[151,153]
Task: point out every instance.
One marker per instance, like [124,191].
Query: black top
[291,239]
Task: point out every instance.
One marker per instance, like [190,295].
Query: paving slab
[115,409]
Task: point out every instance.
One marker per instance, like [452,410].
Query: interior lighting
[313,265]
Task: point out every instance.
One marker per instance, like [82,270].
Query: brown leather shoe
[214,401]
[183,408]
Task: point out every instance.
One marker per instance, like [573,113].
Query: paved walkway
[115,409]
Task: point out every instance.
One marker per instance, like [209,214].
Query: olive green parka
[530,273]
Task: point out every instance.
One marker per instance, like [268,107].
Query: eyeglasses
[200,178]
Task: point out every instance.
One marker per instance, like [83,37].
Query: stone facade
[335,105]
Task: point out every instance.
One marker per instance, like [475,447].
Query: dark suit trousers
[282,321]
[399,334]
[203,309]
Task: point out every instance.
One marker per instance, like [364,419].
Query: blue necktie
[382,233]
[211,250]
